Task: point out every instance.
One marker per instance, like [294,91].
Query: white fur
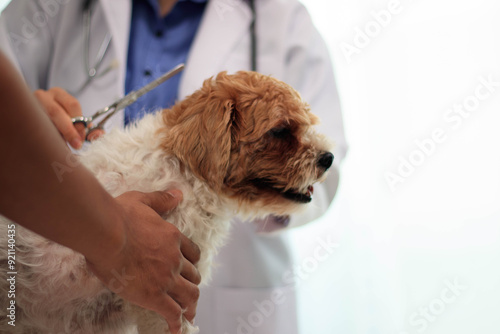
[54,289]
[55,293]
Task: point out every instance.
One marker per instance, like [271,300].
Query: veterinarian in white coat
[46,41]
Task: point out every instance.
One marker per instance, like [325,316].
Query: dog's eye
[280,133]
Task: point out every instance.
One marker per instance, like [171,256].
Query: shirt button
[159,33]
[147,73]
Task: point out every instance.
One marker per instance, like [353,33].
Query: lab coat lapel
[118,13]
[223,25]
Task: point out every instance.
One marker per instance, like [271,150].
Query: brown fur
[243,142]
[245,109]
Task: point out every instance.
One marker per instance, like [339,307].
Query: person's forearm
[114,234]
[33,192]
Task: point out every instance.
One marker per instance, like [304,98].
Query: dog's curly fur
[243,144]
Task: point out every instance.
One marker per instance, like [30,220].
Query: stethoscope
[93,69]
[253,37]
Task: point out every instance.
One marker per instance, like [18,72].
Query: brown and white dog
[242,144]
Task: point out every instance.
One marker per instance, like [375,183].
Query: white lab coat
[248,293]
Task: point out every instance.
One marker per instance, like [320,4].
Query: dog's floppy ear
[199,133]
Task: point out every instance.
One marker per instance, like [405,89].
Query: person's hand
[61,107]
[155,267]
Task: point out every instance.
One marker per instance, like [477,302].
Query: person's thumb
[163,201]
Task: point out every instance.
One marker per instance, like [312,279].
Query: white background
[397,249]
[400,249]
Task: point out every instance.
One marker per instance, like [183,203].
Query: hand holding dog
[121,238]
[155,267]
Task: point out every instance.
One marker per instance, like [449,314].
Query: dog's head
[250,138]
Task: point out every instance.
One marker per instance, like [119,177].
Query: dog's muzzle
[325,160]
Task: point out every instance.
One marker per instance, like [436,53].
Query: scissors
[123,102]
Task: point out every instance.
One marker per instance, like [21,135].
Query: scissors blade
[134,95]
[131,97]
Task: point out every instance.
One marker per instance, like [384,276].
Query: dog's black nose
[325,160]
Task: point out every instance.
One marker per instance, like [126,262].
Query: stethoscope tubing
[92,71]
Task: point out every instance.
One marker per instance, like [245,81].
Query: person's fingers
[60,118]
[67,101]
[71,105]
[186,294]
[162,201]
[190,250]
[171,311]
[81,129]
[190,313]
[190,272]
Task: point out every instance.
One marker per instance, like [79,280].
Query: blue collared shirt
[156,45]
